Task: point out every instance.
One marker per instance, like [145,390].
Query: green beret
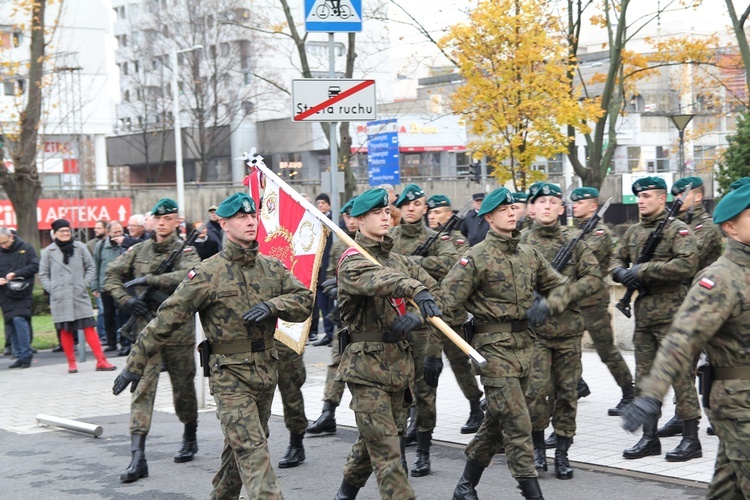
[648,183]
[534,187]
[347,208]
[411,193]
[163,207]
[438,200]
[520,197]
[546,189]
[680,185]
[238,202]
[738,184]
[584,193]
[732,204]
[500,196]
[369,200]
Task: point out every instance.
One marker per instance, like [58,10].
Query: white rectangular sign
[319,100]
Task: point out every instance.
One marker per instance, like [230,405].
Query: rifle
[445,228]
[650,247]
[151,292]
[563,256]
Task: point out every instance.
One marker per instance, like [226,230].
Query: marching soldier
[136,268]
[243,359]
[292,376]
[495,282]
[715,318]
[377,364]
[674,261]
[520,201]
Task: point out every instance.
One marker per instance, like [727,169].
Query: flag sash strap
[398,304]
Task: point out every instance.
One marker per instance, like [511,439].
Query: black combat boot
[562,465]
[402,445]
[326,423]
[690,446]
[476,416]
[411,431]
[530,488]
[583,389]
[138,467]
[671,428]
[189,444]
[551,442]
[422,463]
[648,445]
[465,489]
[540,453]
[295,454]
[346,491]
[628,393]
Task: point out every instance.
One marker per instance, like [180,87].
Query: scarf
[66,247]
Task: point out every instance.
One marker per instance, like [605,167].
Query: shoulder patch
[698,227]
[684,232]
[464,261]
[130,249]
[706,283]
[191,274]
[187,249]
[599,232]
[445,237]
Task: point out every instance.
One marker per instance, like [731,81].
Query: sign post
[382,152]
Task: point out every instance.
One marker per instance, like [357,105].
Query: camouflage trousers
[292,376]
[424,395]
[506,422]
[555,372]
[732,470]
[334,390]
[461,367]
[646,343]
[245,459]
[599,325]
[377,413]
[180,363]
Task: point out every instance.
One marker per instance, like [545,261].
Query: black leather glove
[142,281]
[427,305]
[432,369]
[330,288]
[124,379]
[136,307]
[630,278]
[539,311]
[406,323]
[643,409]
[257,313]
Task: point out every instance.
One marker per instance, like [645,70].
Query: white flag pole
[438,322]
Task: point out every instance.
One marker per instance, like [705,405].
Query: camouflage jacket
[675,260]
[440,256]
[600,243]
[142,259]
[715,317]
[495,281]
[220,289]
[582,269]
[460,243]
[364,293]
[707,234]
[337,249]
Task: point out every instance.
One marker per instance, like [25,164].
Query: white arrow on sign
[121,212]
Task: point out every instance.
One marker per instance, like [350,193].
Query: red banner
[82,213]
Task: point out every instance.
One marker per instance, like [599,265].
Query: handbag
[18,288]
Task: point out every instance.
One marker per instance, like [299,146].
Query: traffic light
[475,172]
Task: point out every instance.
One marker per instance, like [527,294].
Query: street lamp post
[681,122]
[178,167]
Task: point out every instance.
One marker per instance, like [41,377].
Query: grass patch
[45,336]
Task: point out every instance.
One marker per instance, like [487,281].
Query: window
[120,12]
[420,165]
[634,158]
[555,164]
[704,157]
[212,52]
[126,96]
[136,67]
[9,88]
[662,159]
[247,78]
[224,49]
[123,69]
[122,41]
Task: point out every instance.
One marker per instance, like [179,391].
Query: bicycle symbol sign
[333,16]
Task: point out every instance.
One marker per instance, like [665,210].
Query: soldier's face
[739,227]
[412,211]
[689,201]
[502,220]
[351,223]
[375,223]
[520,210]
[584,209]
[530,213]
[651,202]
[438,216]
[165,225]
[241,228]
[548,209]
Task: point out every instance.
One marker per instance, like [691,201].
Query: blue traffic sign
[333,16]
[382,152]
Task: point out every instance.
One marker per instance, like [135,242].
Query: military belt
[734,373]
[240,347]
[389,337]
[657,290]
[513,326]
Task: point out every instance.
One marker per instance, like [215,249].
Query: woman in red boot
[66,270]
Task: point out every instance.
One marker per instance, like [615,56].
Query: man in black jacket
[18,262]
[475,227]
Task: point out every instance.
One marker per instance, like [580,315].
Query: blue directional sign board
[382,152]
[333,16]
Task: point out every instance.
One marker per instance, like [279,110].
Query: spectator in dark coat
[474,227]
[214,228]
[323,303]
[206,244]
[136,231]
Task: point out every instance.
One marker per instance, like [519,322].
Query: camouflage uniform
[377,373]
[243,382]
[595,309]
[292,376]
[674,261]
[556,365]
[715,317]
[707,234]
[178,353]
[495,281]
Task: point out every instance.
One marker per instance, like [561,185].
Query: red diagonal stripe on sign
[333,100]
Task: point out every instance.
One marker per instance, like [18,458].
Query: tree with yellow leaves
[516,97]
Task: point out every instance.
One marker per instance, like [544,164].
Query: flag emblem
[684,232]
[464,261]
[707,283]
[191,274]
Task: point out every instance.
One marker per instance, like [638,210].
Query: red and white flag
[290,233]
